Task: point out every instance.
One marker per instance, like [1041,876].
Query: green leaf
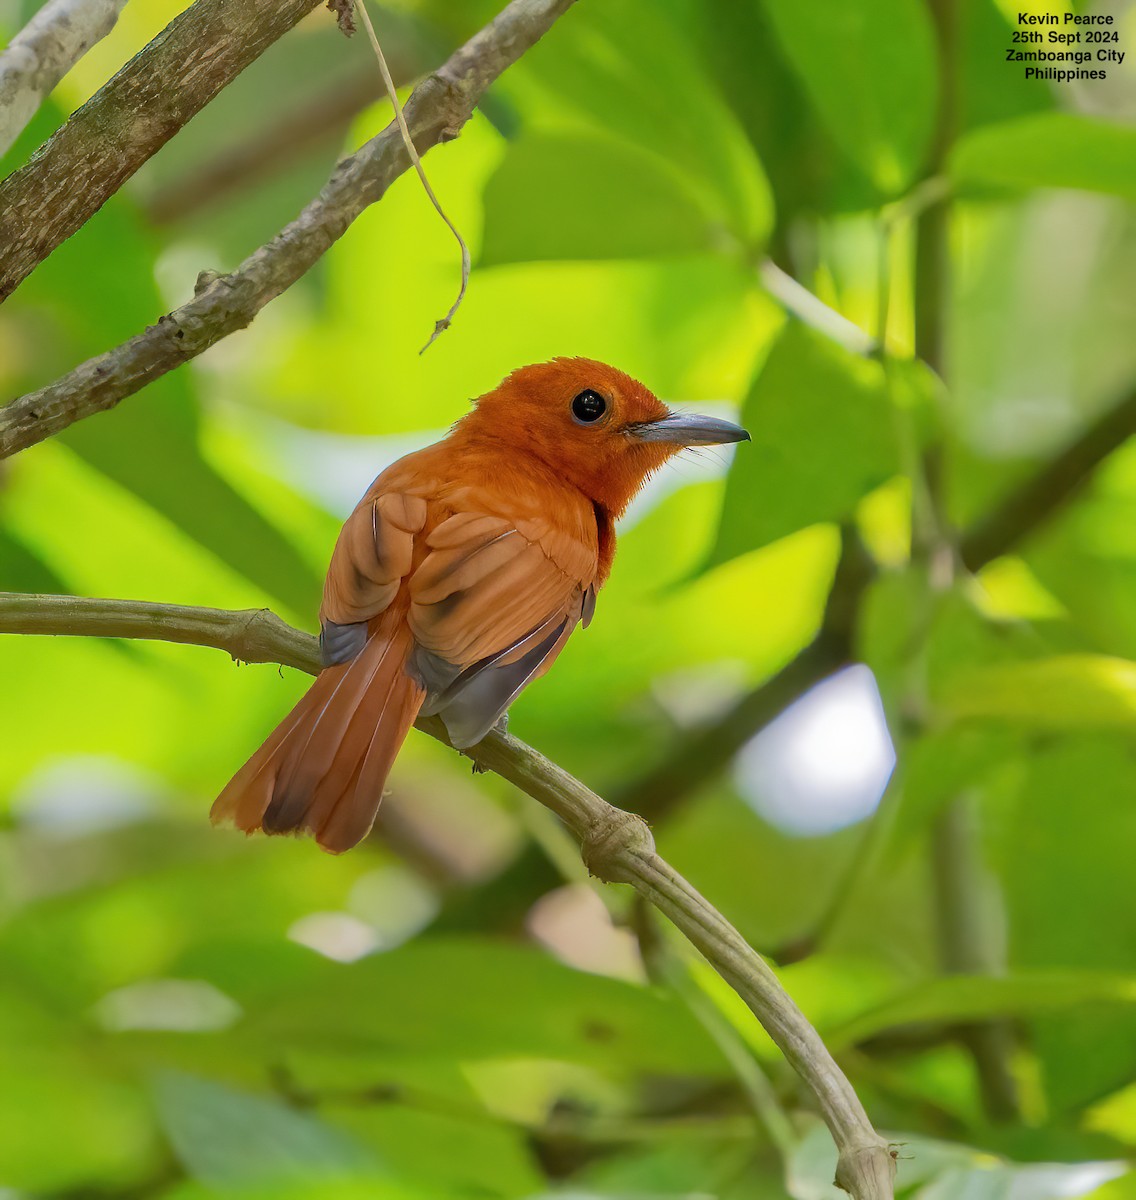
[773,885]
[588,197]
[68,1122]
[1066,691]
[971,997]
[483,1157]
[624,68]
[226,1137]
[870,70]
[985,96]
[823,432]
[1063,844]
[148,450]
[443,997]
[1051,150]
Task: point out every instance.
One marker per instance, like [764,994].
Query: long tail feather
[323,768]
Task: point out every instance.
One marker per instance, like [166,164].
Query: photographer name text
[1061,47]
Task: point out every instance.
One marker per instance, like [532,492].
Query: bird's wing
[373,555]
[492,604]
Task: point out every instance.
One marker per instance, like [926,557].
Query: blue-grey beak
[689,430]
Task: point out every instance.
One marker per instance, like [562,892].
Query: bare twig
[812,310]
[444,324]
[435,112]
[43,52]
[616,846]
[127,121]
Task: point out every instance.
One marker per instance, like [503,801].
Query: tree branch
[43,52]
[127,121]
[963,893]
[616,846]
[435,112]
[1053,485]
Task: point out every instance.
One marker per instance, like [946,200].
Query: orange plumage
[457,581]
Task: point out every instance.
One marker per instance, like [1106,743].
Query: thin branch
[616,846]
[43,52]
[812,310]
[435,112]
[1051,487]
[664,966]
[963,893]
[127,121]
[444,324]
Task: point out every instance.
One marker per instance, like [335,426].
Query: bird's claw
[501,726]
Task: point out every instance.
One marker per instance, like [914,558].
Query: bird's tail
[323,768]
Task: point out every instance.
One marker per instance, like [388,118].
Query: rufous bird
[456,582]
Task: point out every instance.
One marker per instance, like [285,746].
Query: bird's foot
[502,726]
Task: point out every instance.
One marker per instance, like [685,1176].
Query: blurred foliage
[184,1014]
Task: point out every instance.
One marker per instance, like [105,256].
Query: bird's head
[601,430]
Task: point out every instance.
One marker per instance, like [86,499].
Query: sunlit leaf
[99,286]
[1062,842]
[1073,691]
[870,69]
[825,434]
[624,68]
[1053,150]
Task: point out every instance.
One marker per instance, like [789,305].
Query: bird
[456,582]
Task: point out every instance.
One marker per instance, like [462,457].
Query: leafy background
[184,1013]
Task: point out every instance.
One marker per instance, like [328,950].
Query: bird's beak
[689,430]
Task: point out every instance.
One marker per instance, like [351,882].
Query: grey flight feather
[341,643]
[474,707]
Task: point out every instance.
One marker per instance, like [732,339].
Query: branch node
[867,1168]
[610,842]
[246,643]
[205,280]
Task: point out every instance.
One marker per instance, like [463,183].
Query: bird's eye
[588,406]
